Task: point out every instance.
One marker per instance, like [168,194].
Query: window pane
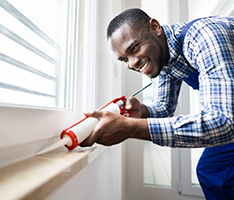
[195,156]
[36,39]
[157,165]
[157,160]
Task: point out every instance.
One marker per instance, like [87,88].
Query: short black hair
[133,17]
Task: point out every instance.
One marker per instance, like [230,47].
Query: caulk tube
[82,129]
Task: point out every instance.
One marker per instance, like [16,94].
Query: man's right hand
[137,109]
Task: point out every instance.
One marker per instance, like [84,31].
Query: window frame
[97,80]
[27,129]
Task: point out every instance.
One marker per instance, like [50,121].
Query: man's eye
[123,59]
[134,48]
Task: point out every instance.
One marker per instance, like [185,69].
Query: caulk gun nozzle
[54,146]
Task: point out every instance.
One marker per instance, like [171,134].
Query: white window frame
[26,130]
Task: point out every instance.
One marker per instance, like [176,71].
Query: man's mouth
[144,67]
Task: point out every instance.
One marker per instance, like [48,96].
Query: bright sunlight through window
[35,52]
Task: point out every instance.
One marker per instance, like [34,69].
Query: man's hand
[137,109]
[113,128]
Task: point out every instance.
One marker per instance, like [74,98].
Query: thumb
[130,103]
[96,114]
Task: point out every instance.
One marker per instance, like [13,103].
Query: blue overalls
[215,169]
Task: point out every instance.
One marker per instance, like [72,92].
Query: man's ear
[155,27]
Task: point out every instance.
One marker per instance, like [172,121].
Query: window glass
[157,160]
[195,156]
[157,165]
[35,61]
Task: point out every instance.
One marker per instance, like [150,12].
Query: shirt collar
[177,65]
[172,34]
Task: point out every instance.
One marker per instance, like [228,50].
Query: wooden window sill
[38,176]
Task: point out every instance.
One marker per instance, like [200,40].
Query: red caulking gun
[74,135]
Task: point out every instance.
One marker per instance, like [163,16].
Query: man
[175,53]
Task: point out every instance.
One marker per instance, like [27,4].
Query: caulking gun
[74,135]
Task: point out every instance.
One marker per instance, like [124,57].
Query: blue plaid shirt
[209,48]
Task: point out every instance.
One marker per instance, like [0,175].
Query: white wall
[156,9]
[201,8]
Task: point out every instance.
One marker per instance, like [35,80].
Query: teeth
[144,67]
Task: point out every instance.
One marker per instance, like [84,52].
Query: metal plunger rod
[136,93]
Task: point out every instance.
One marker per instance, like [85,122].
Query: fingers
[89,141]
[93,137]
[97,131]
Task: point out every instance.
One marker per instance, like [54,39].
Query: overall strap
[184,31]
[192,79]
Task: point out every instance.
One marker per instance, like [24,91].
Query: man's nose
[133,62]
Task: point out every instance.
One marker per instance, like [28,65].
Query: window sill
[37,177]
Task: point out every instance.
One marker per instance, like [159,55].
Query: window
[86,75]
[38,74]
[36,52]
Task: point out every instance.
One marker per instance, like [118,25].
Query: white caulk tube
[81,130]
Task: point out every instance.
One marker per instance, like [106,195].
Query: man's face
[141,49]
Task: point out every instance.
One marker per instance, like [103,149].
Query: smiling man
[139,48]
[200,53]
